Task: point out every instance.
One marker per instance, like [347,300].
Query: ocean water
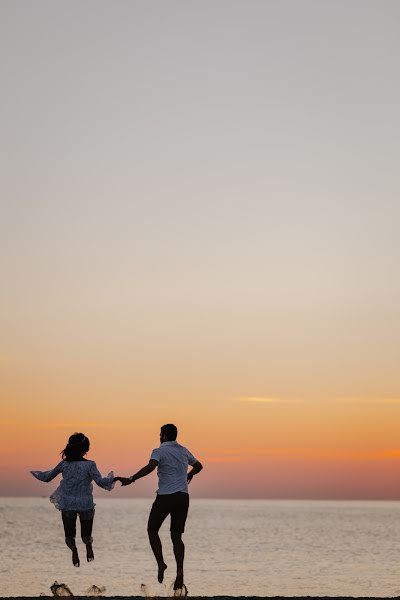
[233,547]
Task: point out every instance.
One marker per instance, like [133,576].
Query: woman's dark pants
[69,521]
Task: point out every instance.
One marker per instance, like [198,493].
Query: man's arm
[142,473]
[197,467]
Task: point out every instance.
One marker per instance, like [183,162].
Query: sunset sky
[199,224]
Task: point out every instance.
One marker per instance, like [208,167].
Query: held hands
[124,480]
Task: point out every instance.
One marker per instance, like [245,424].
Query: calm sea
[233,547]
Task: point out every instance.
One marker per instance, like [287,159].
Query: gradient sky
[200,224]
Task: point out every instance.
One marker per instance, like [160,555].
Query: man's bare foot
[181,592]
[89,553]
[178,581]
[161,570]
[75,558]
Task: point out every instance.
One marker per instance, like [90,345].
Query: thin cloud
[234,452]
[364,401]
[260,455]
[77,425]
[267,400]
[389,454]
[242,455]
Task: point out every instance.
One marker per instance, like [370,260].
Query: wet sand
[213,597]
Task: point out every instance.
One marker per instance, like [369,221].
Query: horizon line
[240,498]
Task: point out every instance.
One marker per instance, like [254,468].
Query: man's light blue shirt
[173,460]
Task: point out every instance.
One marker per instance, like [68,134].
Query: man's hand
[142,473]
[124,480]
[197,467]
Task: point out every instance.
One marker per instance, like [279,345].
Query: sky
[199,222]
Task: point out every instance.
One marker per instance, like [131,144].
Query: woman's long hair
[78,445]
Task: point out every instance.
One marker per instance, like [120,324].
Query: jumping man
[171,460]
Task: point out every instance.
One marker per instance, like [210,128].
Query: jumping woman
[74,495]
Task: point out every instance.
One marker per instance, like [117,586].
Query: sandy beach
[219,597]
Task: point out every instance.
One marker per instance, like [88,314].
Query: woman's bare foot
[161,570]
[75,558]
[178,581]
[89,553]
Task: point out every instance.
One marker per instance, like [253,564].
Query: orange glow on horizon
[251,445]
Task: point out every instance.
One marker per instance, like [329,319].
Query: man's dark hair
[170,431]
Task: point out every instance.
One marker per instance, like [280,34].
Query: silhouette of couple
[74,496]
